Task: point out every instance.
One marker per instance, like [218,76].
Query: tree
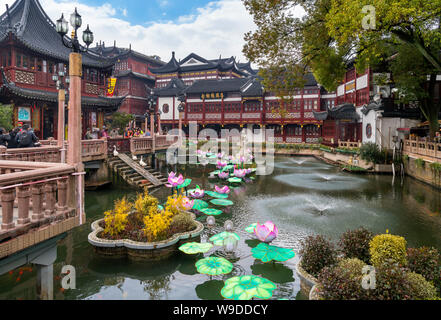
[6,114]
[334,32]
[121,120]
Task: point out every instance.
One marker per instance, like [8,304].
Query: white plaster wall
[169,115]
[370,118]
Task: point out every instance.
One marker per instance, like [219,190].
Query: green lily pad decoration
[200,204]
[160,208]
[216,195]
[267,253]
[218,239]
[214,266]
[247,288]
[214,173]
[222,202]
[251,227]
[235,180]
[195,247]
[211,211]
[228,167]
[185,184]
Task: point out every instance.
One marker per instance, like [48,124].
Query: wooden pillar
[159,124]
[61,124]
[76,184]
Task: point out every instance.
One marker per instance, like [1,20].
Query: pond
[303,196]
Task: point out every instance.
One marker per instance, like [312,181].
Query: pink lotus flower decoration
[197,193]
[249,171]
[220,155]
[187,203]
[266,232]
[174,181]
[240,173]
[221,164]
[223,175]
[223,190]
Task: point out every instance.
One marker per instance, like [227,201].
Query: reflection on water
[303,196]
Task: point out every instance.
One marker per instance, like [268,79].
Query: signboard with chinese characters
[111,84]
[212,95]
[24,114]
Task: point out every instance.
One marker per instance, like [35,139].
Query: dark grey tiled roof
[252,88]
[344,111]
[34,29]
[126,73]
[220,64]
[49,96]
[120,53]
[225,85]
[174,88]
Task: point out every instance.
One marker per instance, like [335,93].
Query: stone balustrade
[428,150]
[93,150]
[39,154]
[349,144]
[32,195]
[165,141]
[141,145]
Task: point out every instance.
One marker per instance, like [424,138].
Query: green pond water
[302,197]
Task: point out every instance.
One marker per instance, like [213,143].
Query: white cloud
[217,29]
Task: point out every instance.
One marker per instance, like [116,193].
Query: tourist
[26,138]
[147,134]
[13,134]
[4,137]
[114,133]
[89,134]
[104,133]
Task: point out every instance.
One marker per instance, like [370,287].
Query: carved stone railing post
[62,195]
[23,195]
[37,201]
[50,189]
[8,198]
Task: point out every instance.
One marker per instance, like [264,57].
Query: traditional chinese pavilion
[31,52]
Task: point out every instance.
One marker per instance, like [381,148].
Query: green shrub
[424,261]
[387,249]
[436,166]
[343,281]
[355,244]
[421,288]
[317,253]
[419,163]
[6,115]
[182,222]
[371,153]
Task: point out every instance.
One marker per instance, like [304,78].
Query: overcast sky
[158,27]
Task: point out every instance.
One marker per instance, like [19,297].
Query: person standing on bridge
[4,137]
[26,138]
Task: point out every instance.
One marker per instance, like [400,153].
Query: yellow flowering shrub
[144,202]
[116,220]
[174,204]
[157,224]
[388,248]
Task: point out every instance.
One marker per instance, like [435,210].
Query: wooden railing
[423,148]
[33,195]
[349,144]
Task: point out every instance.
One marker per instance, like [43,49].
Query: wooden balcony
[427,150]
[34,203]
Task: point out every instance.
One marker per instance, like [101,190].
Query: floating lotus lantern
[266,232]
[197,193]
[223,190]
[223,175]
[267,253]
[221,164]
[211,221]
[248,287]
[174,181]
[240,173]
[214,266]
[187,203]
[195,247]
